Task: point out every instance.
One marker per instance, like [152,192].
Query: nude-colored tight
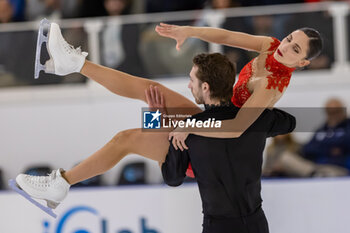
[152,145]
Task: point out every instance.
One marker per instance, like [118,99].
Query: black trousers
[255,223]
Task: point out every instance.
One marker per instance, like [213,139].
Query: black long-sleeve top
[228,171]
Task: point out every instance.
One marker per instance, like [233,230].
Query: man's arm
[175,166]
[282,123]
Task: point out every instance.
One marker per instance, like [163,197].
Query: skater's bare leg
[118,82]
[66,60]
[152,145]
[55,187]
[130,86]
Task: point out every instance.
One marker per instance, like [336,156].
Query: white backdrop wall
[291,206]
[62,125]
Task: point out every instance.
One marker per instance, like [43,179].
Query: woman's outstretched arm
[261,99]
[246,116]
[215,35]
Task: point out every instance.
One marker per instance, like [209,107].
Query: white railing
[213,18]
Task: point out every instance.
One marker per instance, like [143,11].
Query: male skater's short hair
[217,70]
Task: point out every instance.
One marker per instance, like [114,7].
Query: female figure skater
[261,83]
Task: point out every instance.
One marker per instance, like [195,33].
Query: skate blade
[14,187]
[41,39]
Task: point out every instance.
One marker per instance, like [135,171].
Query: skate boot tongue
[42,181]
[78,51]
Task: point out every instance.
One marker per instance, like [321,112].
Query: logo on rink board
[67,221]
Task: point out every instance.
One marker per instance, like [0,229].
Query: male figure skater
[228,171]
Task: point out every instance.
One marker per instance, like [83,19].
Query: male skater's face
[196,86]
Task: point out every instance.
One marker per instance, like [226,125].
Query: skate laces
[42,181]
[70,48]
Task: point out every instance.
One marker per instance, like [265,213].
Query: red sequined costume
[279,78]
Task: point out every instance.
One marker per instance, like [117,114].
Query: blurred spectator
[330,143]
[237,56]
[38,9]
[268,2]
[283,159]
[270,25]
[70,8]
[117,7]
[263,25]
[14,45]
[172,5]
[160,56]
[326,0]
[2,185]
[19,72]
[348,35]
[222,4]
[92,8]
[120,48]
[11,10]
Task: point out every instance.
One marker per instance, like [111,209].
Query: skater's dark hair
[315,42]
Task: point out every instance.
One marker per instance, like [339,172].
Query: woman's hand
[178,33]
[154,98]
[179,139]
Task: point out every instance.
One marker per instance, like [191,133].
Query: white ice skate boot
[64,58]
[52,188]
